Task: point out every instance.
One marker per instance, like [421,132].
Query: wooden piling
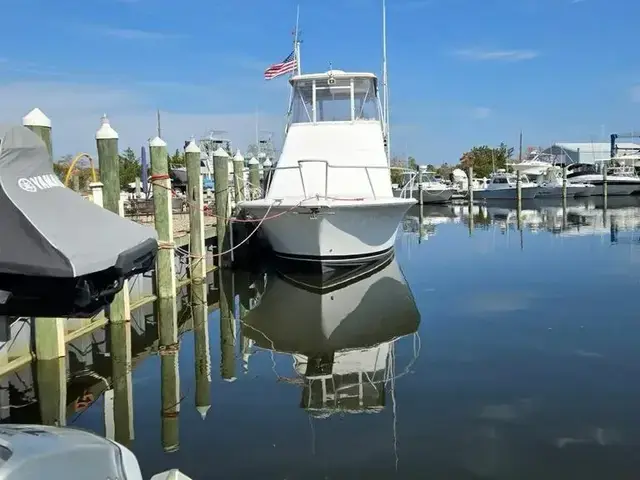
[238,177]
[221,182]
[162,206]
[39,123]
[51,385]
[470,185]
[254,178]
[138,188]
[121,381]
[120,308]
[195,194]
[564,182]
[75,183]
[169,375]
[227,332]
[109,163]
[267,174]
[201,348]
[49,338]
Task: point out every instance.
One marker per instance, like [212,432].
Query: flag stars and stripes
[288,65]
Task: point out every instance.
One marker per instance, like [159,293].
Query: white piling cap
[238,157]
[230,380]
[267,163]
[157,142]
[202,410]
[262,155]
[192,147]
[220,152]
[253,161]
[105,132]
[35,118]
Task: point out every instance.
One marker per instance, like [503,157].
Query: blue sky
[462,72]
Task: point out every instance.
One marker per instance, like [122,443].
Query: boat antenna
[520,151]
[296,42]
[158,123]
[385,82]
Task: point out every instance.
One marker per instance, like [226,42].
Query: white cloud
[134,34]
[496,55]
[480,113]
[75,111]
[635,93]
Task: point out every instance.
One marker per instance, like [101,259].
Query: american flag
[289,64]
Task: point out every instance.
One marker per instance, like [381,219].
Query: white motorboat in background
[330,200]
[424,187]
[549,178]
[620,180]
[503,186]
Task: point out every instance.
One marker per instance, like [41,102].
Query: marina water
[508,354]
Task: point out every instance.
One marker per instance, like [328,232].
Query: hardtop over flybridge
[60,255]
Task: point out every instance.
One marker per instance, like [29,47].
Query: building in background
[586,153]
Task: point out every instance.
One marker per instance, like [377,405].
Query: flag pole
[385,86]
[296,42]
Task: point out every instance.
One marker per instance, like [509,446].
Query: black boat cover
[60,254]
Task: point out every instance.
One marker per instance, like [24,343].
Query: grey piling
[254,178]
[39,123]
[227,333]
[470,185]
[238,177]
[51,380]
[162,207]
[221,181]
[195,194]
[75,183]
[138,189]
[120,350]
[564,182]
[201,348]
[169,347]
[109,164]
[519,195]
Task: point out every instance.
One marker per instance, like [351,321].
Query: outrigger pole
[385,83]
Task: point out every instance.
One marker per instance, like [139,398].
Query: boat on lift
[330,200]
[621,180]
[60,255]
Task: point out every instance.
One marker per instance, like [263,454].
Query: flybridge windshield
[341,100]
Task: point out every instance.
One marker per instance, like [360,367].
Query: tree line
[484,160]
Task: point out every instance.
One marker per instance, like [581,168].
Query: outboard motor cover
[60,255]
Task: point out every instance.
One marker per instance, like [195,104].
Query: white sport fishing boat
[549,178]
[620,180]
[503,186]
[330,200]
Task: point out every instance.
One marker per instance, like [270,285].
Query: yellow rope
[73,164]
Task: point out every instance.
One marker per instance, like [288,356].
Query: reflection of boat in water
[60,255]
[340,330]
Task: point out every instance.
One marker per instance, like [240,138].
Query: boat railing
[328,166]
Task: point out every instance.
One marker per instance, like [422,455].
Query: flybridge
[39,182]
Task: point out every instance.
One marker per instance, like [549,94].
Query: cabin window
[366,100]
[500,180]
[302,108]
[333,101]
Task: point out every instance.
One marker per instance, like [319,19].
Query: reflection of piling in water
[201,340]
[51,384]
[470,218]
[227,332]
[120,342]
[169,376]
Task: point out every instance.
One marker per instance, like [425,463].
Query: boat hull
[615,186]
[331,233]
[429,196]
[526,193]
[572,191]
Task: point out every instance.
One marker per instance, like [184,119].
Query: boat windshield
[338,100]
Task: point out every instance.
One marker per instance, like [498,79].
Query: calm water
[477,353]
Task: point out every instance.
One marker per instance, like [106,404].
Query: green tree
[483,159]
[130,167]
[177,159]
[412,164]
[431,167]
